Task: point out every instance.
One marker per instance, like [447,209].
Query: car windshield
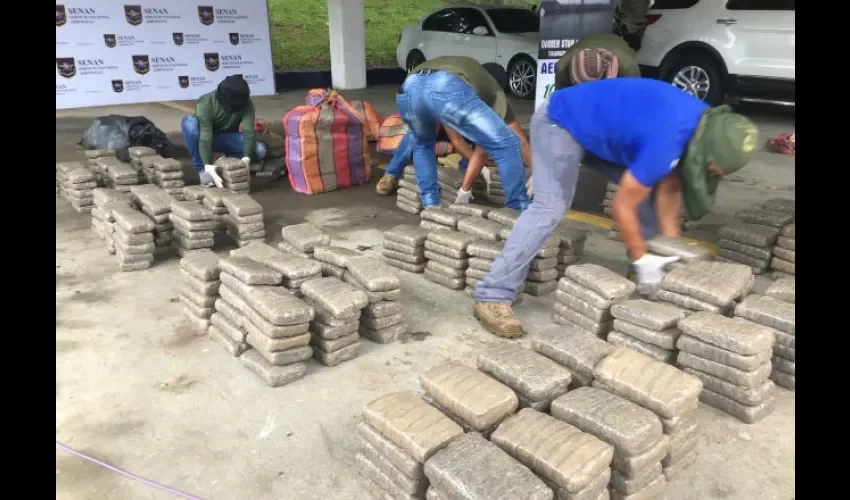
[515,20]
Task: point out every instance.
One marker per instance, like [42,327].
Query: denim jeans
[555,160]
[403,155]
[231,145]
[441,97]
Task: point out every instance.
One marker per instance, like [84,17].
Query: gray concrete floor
[136,388]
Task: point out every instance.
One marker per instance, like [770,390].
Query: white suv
[718,48]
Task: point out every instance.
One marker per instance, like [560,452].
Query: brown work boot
[498,319]
[387,185]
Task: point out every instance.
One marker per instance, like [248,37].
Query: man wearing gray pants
[670,147]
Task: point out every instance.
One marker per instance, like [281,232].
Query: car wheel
[698,75]
[414,59]
[522,77]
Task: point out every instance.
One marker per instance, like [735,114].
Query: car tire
[522,77]
[414,58]
[699,75]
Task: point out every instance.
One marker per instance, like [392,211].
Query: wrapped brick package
[687,251]
[447,258]
[585,295]
[535,379]
[75,182]
[477,401]
[543,274]
[472,468]
[201,274]
[779,317]
[647,327]
[731,356]
[706,285]
[672,395]
[572,461]
[783,289]
[194,225]
[295,270]
[784,258]
[635,433]
[382,321]
[242,217]
[341,301]
[440,218]
[404,248]
[751,238]
[574,349]
[235,174]
[572,243]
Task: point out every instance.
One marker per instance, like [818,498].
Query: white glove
[528,187]
[463,197]
[210,169]
[650,270]
[247,161]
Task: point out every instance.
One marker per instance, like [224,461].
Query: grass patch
[299,30]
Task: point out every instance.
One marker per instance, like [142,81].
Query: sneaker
[387,185]
[206,179]
[498,318]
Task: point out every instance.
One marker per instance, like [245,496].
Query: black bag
[121,132]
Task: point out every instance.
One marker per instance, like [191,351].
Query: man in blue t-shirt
[664,147]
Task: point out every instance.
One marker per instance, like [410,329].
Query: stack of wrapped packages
[731,356]
[132,238]
[119,175]
[447,257]
[102,220]
[635,433]
[381,321]
[536,379]
[607,204]
[75,183]
[542,278]
[144,166]
[780,317]
[706,286]
[783,261]
[670,393]
[168,174]
[751,238]
[335,302]
[156,204]
[496,193]
[194,226]
[95,167]
[475,401]
[244,219]
[585,295]
[234,173]
[200,270]
[407,196]
[399,433]
[572,247]
[213,199]
[404,247]
[295,270]
[573,463]
[302,239]
[481,257]
[572,348]
[450,181]
[334,260]
[271,335]
[647,327]
[436,218]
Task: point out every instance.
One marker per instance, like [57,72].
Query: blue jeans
[403,154]
[441,97]
[555,161]
[231,144]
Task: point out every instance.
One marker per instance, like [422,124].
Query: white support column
[347,43]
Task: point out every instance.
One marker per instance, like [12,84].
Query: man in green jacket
[214,127]
[595,57]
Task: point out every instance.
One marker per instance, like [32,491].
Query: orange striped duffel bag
[393,129]
[326,145]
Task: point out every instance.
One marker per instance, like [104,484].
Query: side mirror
[480,30]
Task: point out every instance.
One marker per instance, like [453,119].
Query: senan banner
[562,23]
[113,53]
